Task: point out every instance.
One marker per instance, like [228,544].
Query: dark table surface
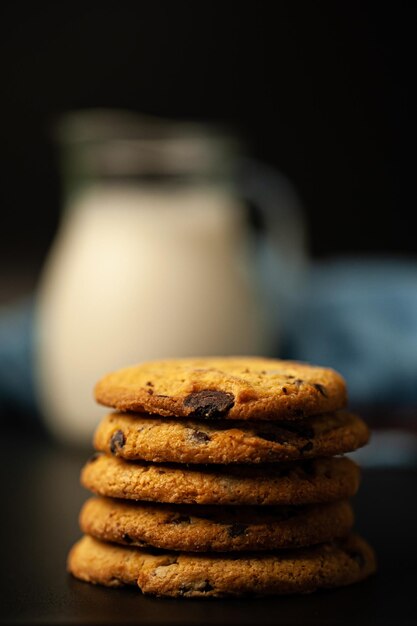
[39,524]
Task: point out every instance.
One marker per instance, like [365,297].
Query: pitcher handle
[282,250]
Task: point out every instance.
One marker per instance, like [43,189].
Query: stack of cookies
[222,477]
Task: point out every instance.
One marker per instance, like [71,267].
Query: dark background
[322,90]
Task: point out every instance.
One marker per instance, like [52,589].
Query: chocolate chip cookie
[140,437]
[305,482]
[196,528]
[304,570]
[238,388]
[222,477]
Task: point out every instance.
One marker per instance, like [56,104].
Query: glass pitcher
[154,258]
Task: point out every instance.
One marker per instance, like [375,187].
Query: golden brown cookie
[196,528]
[229,387]
[97,562]
[140,437]
[305,482]
[220,575]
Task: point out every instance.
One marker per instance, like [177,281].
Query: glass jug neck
[121,147]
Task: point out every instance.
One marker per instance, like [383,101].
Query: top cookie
[225,387]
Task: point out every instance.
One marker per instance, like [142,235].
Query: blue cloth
[360,317]
[17,388]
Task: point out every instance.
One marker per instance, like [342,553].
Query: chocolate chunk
[356,556]
[127,538]
[308,446]
[117,441]
[209,403]
[149,383]
[236,530]
[198,436]
[284,390]
[321,389]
